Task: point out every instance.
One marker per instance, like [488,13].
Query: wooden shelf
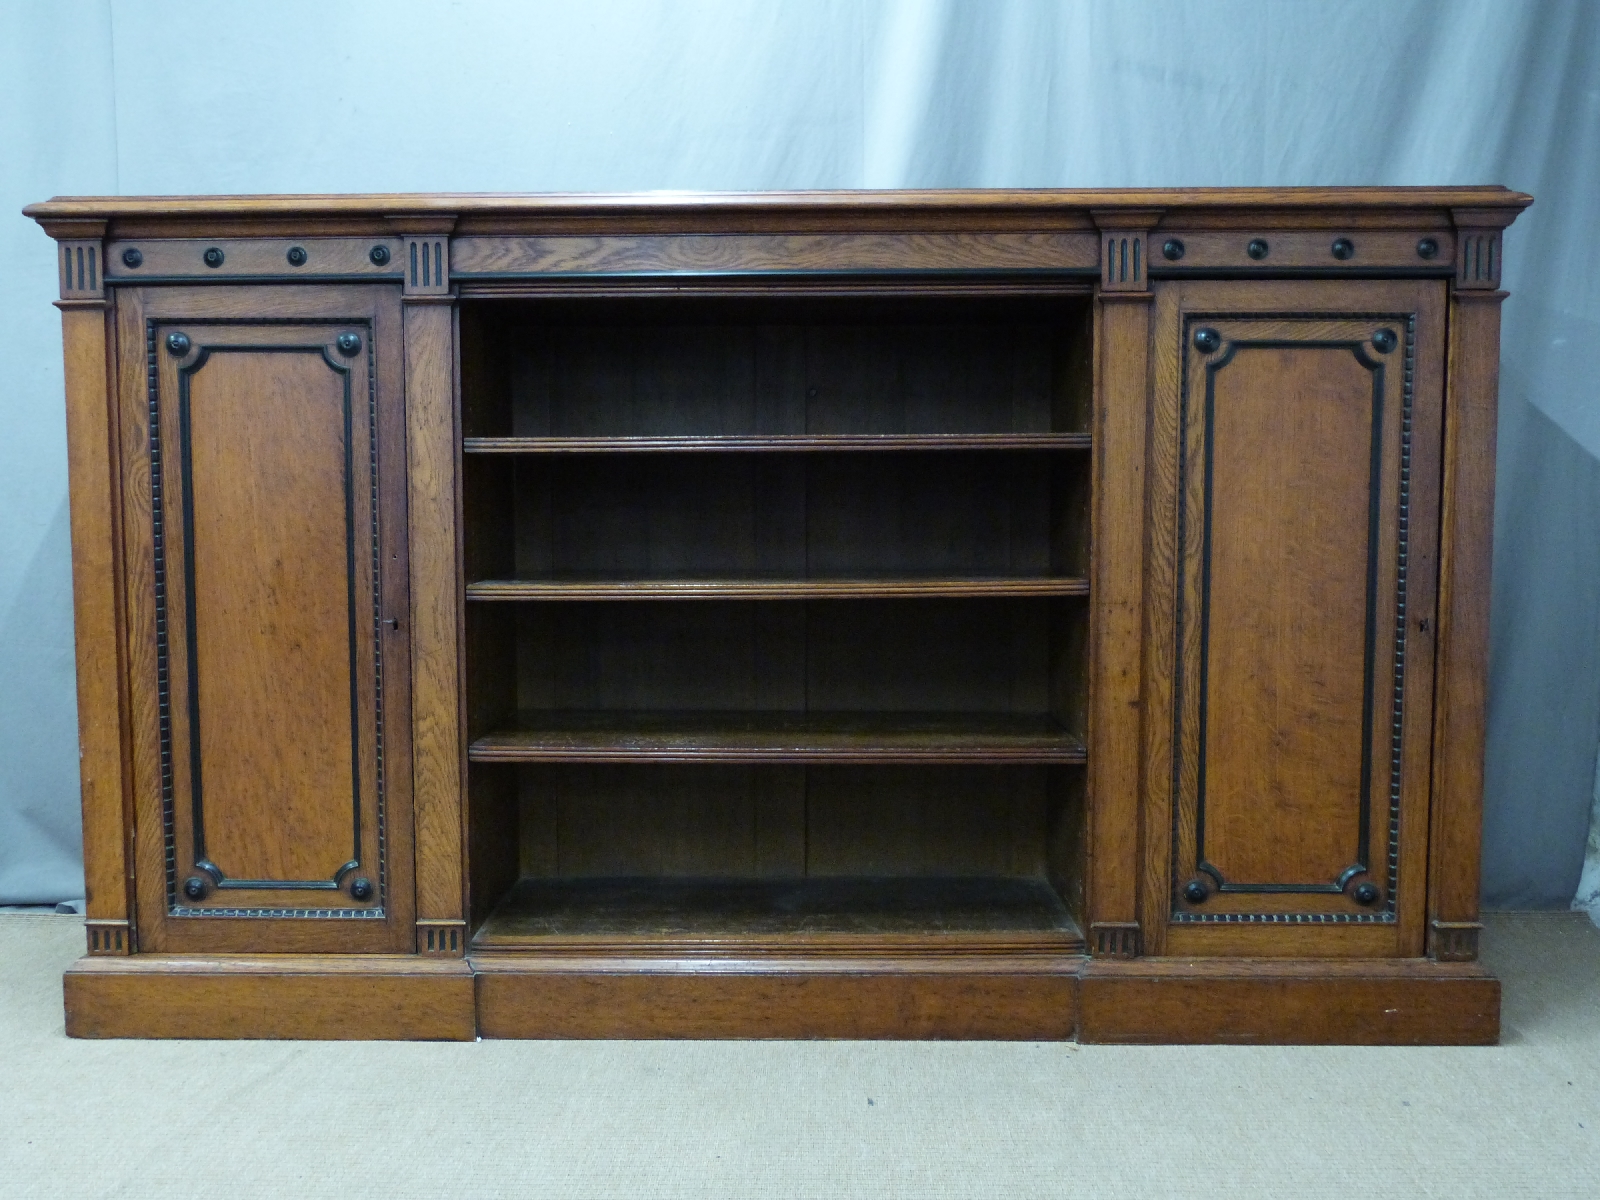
[770,589]
[772,737]
[801,443]
[829,913]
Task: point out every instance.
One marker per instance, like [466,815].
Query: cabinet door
[1291,594]
[264,519]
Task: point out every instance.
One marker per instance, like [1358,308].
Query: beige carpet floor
[385,1121]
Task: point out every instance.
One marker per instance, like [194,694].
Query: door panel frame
[1291,921]
[261,915]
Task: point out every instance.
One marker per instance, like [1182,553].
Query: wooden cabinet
[952,614]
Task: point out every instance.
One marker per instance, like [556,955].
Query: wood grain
[436,630]
[735,737]
[275,664]
[1285,750]
[1291,440]
[977,913]
[715,254]
[782,365]
[728,205]
[251,259]
[1115,644]
[238,478]
[775,589]
[97,615]
[775,443]
[850,427]
[1467,536]
[321,997]
[1289,1003]
[1027,999]
[1304,252]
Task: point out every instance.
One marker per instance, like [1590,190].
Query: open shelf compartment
[776,623]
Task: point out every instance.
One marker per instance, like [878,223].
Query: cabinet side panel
[97,618]
[1466,546]
[432,448]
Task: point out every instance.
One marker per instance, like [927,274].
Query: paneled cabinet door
[263,443]
[1295,475]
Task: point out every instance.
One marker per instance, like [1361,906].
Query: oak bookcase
[934,614]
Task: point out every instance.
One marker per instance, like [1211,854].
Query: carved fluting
[82,272]
[1116,939]
[441,938]
[1123,262]
[1478,259]
[1454,941]
[427,265]
[108,937]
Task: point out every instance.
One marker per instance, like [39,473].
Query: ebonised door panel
[1293,571]
[265,520]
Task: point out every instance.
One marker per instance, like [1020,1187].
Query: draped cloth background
[158,96]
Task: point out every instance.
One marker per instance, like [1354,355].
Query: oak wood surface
[219,464]
[974,654]
[98,618]
[800,253]
[1288,1003]
[1461,689]
[1266,574]
[914,517]
[1115,646]
[773,443]
[746,546]
[373,997]
[756,589]
[785,820]
[781,364]
[930,910]
[621,736]
[1027,999]
[268,444]
[1291,440]
[432,443]
[723,203]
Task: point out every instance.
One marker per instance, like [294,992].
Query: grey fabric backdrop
[402,95]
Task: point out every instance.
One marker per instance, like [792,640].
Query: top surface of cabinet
[1035,201]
